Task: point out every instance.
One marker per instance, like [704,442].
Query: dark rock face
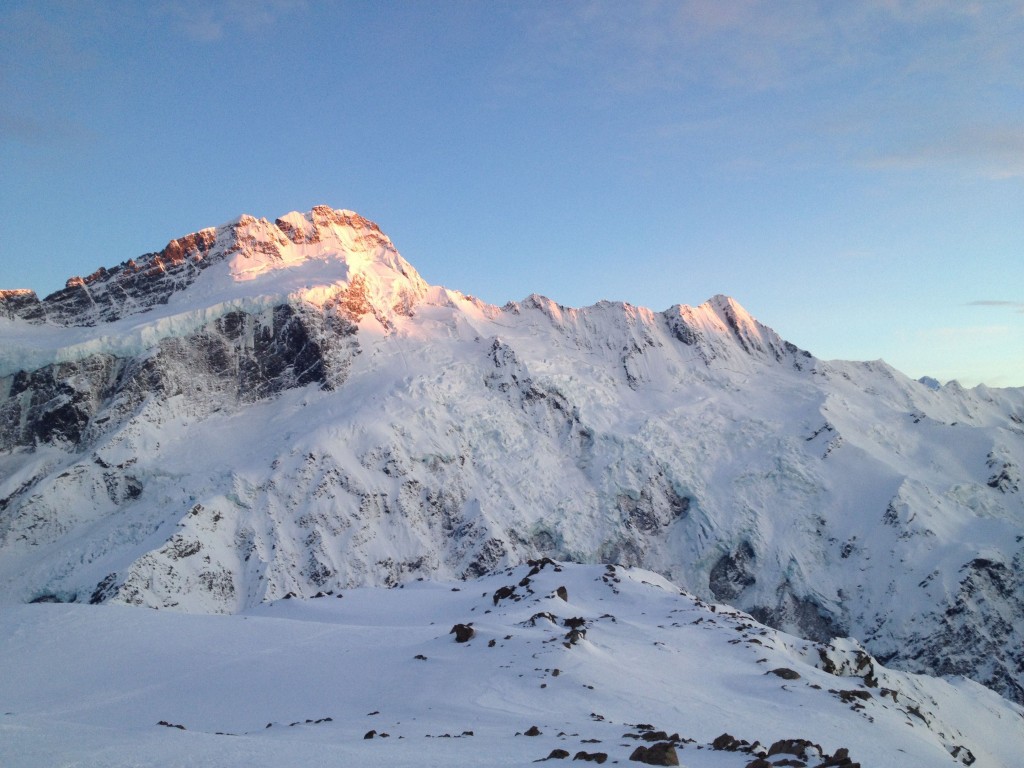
[646,514]
[733,572]
[979,623]
[1006,475]
[21,304]
[798,614]
[238,358]
[55,404]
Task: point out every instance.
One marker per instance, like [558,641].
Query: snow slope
[265,408]
[297,682]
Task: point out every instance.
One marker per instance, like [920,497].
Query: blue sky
[851,172]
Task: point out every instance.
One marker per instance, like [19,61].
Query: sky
[851,172]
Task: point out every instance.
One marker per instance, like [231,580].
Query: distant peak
[728,304]
[722,316]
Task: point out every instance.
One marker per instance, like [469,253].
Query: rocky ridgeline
[108,294]
[137,285]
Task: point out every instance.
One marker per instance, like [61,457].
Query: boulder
[662,753]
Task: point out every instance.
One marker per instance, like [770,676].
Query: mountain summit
[298,255]
[274,408]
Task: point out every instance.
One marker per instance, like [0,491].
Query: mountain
[273,408]
[545,663]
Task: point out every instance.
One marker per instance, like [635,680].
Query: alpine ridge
[272,408]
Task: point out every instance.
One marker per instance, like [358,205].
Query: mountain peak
[721,326]
[304,251]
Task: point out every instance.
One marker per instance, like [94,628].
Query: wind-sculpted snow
[304,414]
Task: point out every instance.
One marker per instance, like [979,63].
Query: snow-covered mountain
[273,408]
[547,663]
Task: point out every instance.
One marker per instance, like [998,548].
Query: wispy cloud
[55,129]
[1017,306]
[758,44]
[207,22]
[856,256]
[958,334]
[42,61]
[991,151]
[654,45]
[901,85]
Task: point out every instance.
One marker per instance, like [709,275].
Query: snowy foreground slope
[283,407]
[302,682]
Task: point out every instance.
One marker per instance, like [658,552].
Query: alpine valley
[269,410]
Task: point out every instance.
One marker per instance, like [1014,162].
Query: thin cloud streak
[993,152]
[909,83]
[1017,306]
[758,45]
[206,22]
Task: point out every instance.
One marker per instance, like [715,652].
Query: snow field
[89,685]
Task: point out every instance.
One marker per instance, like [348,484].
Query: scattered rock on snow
[503,593]
[801,748]
[573,636]
[962,754]
[662,753]
[729,743]
[532,621]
